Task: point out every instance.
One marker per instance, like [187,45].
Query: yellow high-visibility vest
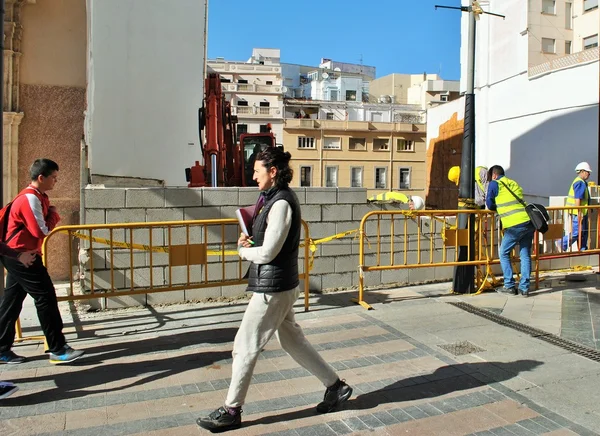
[510,210]
[571,198]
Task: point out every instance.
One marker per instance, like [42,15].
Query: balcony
[258,112]
[241,67]
[354,126]
[251,88]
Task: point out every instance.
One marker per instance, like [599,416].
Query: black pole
[464,275]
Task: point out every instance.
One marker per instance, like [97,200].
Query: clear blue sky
[395,36]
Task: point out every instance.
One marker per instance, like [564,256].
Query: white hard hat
[583,166]
[418,202]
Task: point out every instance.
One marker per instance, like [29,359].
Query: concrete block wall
[328,211]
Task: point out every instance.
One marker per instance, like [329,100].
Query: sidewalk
[418,365]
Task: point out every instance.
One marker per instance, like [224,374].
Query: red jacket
[30,212]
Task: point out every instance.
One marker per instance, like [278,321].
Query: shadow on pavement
[442,381]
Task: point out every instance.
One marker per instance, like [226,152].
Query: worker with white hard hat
[579,195]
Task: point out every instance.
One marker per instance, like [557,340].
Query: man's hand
[27,258]
[245,241]
[52,209]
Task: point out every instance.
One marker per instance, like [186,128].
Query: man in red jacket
[31,219]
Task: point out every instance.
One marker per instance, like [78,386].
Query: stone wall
[327,211]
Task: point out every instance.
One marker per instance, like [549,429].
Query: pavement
[420,363]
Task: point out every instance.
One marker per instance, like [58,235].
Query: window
[305,176]
[332,143]
[590,42]
[376,117]
[241,128]
[380,178]
[549,7]
[548,45]
[380,144]
[269,82]
[331,177]
[358,144]
[568,15]
[350,95]
[242,103]
[242,81]
[264,128]
[567,47]
[588,5]
[264,104]
[333,95]
[405,145]
[356,177]
[306,142]
[404,178]
[444,97]
[329,116]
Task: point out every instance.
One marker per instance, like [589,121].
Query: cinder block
[340,247]
[321,195]
[442,273]
[159,215]
[141,277]
[126,301]
[215,271]
[201,213]
[179,274]
[336,212]
[202,293]
[102,280]
[322,230]
[394,276]
[421,275]
[360,210]
[165,297]
[194,234]
[248,196]
[95,216]
[352,195]
[372,278]
[104,198]
[311,213]
[314,283]
[183,197]
[330,281]
[344,226]
[220,196]
[228,212]
[120,259]
[118,216]
[142,236]
[323,265]
[301,194]
[233,290]
[346,263]
[145,197]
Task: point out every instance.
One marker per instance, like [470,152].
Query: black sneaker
[506,291]
[334,397]
[11,358]
[7,389]
[221,420]
[524,293]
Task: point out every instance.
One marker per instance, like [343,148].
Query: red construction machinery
[226,162]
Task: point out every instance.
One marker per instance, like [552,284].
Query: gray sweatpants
[268,314]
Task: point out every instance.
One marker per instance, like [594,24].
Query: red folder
[244,216]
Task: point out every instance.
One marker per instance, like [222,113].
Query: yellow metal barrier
[430,238]
[191,254]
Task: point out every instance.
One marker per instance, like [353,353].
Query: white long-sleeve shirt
[279,222]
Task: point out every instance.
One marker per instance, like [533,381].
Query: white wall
[145,85]
[537,128]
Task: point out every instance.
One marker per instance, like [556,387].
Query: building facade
[424,89]
[255,89]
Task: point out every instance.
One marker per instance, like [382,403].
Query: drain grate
[461,348]
[565,344]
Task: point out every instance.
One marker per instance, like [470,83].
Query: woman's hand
[27,258]
[245,241]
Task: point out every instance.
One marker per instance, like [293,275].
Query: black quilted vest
[281,274]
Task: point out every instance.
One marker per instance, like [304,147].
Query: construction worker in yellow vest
[481,182]
[517,228]
[579,195]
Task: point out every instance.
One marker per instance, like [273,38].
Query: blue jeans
[521,234]
[574,236]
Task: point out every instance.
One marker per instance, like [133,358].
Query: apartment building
[557,28]
[255,89]
[426,90]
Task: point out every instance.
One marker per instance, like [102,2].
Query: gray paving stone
[501,431]
[385,418]
[355,424]
[371,421]
[415,412]
[400,415]
[339,427]
[532,426]
[430,410]
[317,430]
[546,423]
[518,430]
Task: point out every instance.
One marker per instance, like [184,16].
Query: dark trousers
[36,282]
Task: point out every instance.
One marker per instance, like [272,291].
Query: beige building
[424,89]
[379,156]
[557,28]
